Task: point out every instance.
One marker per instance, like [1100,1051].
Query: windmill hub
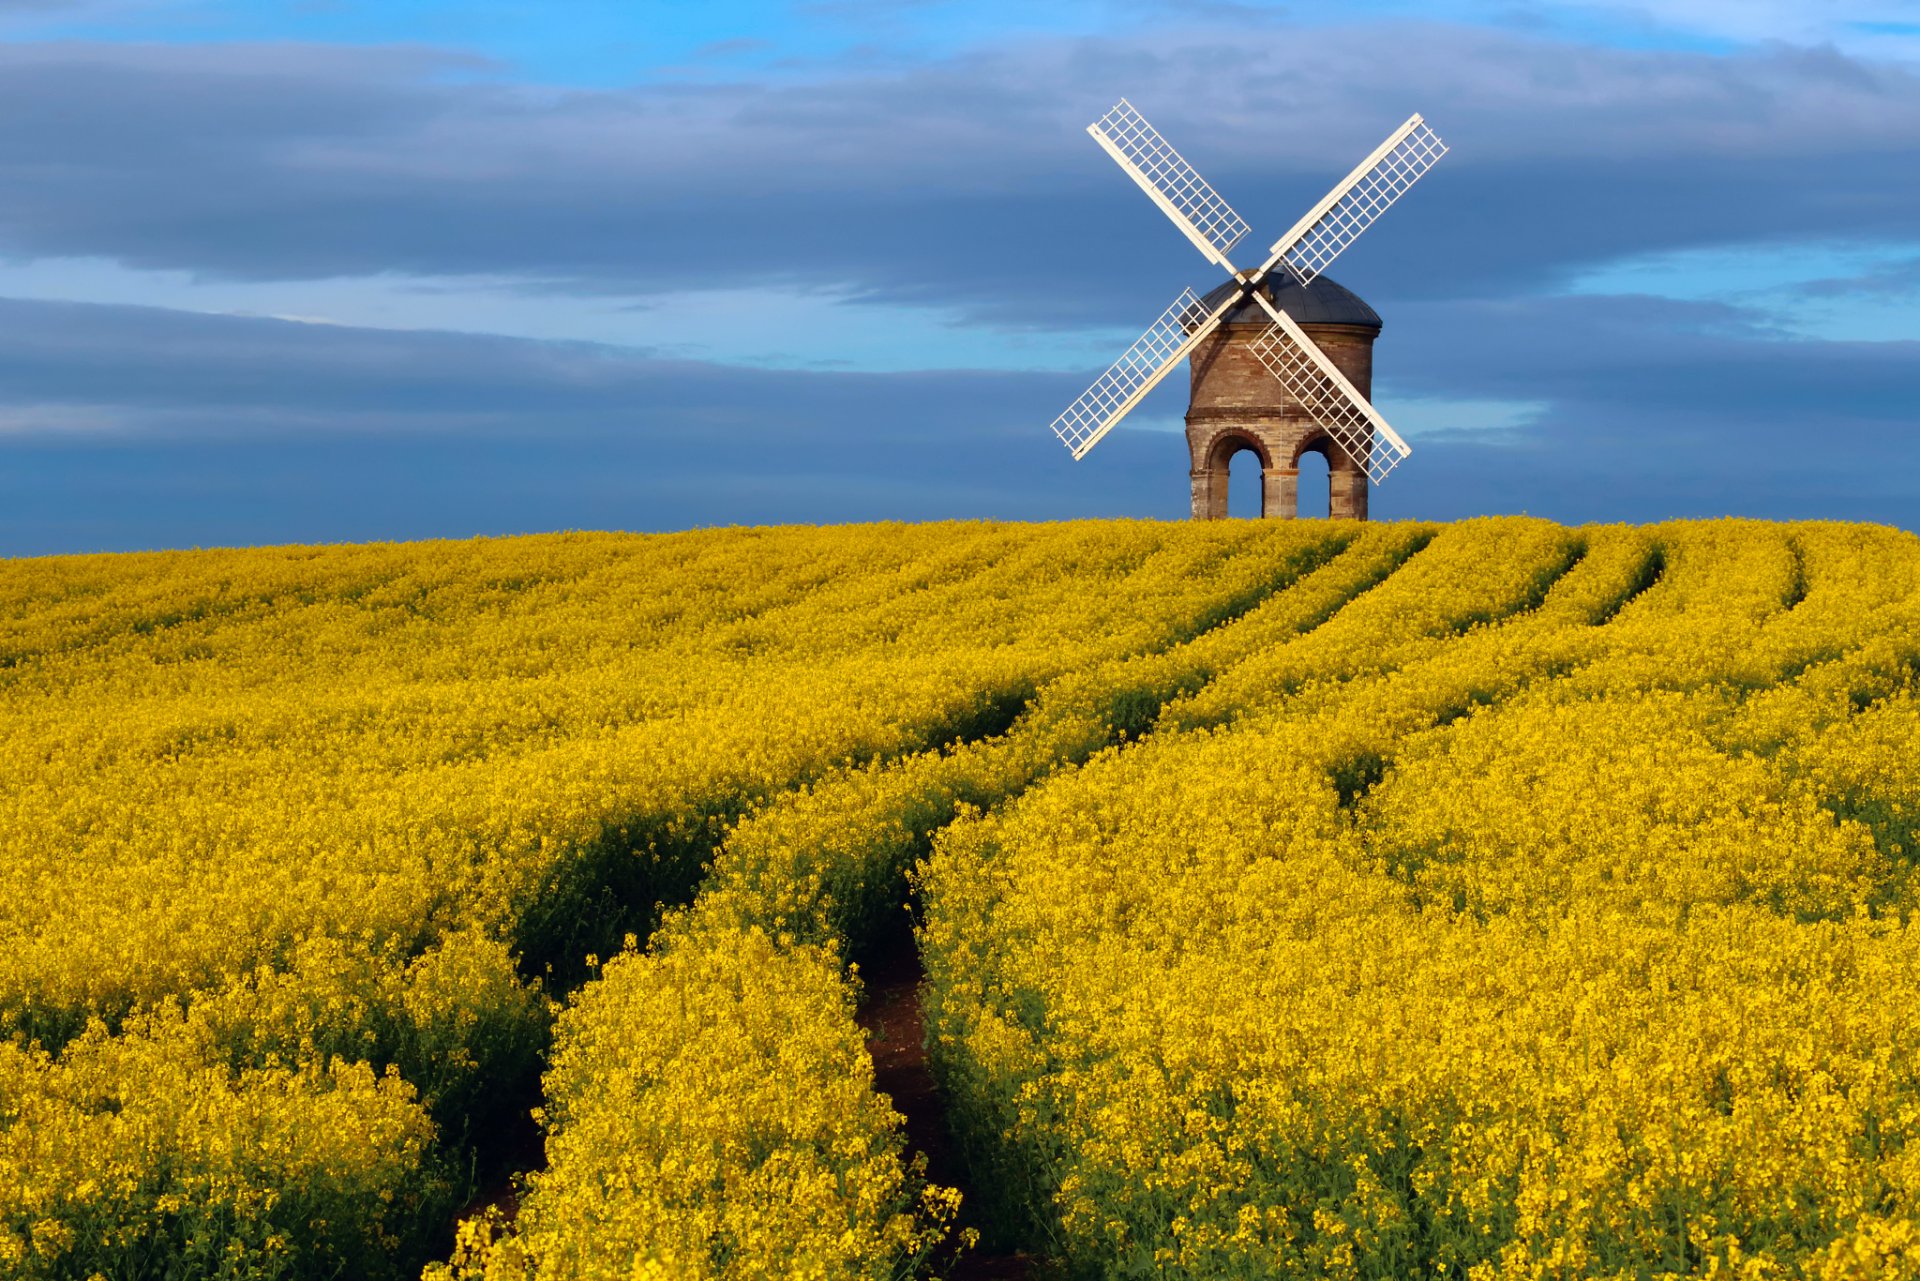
[1281,357]
[1238,404]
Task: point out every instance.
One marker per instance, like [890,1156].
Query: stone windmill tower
[1238,404]
[1281,357]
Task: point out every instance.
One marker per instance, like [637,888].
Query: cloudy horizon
[280,272]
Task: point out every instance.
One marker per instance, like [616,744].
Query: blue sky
[321,269]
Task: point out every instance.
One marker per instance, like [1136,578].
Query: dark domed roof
[1324,302]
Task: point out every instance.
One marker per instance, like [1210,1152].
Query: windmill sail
[1359,198]
[1170,182]
[1293,358]
[1333,402]
[1128,380]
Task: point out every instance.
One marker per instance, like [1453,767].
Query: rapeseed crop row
[710,1113]
[380,753]
[728,1183]
[822,866]
[300,844]
[1486,900]
[1560,931]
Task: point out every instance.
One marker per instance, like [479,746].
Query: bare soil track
[890,1013]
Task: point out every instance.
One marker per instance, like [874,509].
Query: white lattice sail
[1128,380]
[1362,196]
[1312,379]
[1333,402]
[1170,182]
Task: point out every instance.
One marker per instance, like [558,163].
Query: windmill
[1310,401]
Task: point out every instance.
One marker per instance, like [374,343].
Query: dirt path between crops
[890,1012]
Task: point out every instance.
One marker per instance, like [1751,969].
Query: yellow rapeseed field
[1544,913]
[299,845]
[1488,900]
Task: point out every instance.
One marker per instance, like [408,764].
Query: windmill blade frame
[1357,200]
[1153,355]
[1333,402]
[1199,211]
[1313,380]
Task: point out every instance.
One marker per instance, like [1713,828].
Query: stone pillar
[1280,492]
[1349,498]
[1209,493]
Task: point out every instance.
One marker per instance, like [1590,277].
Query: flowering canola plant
[1488,900]
[300,844]
[1544,913]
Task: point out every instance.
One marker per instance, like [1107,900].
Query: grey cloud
[1636,355]
[160,428]
[1654,409]
[1899,279]
[966,181]
[129,427]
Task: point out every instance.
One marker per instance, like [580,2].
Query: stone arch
[1231,440]
[1213,453]
[1346,476]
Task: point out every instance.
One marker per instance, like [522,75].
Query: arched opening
[1243,484]
[1316,483]
[1232,474]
